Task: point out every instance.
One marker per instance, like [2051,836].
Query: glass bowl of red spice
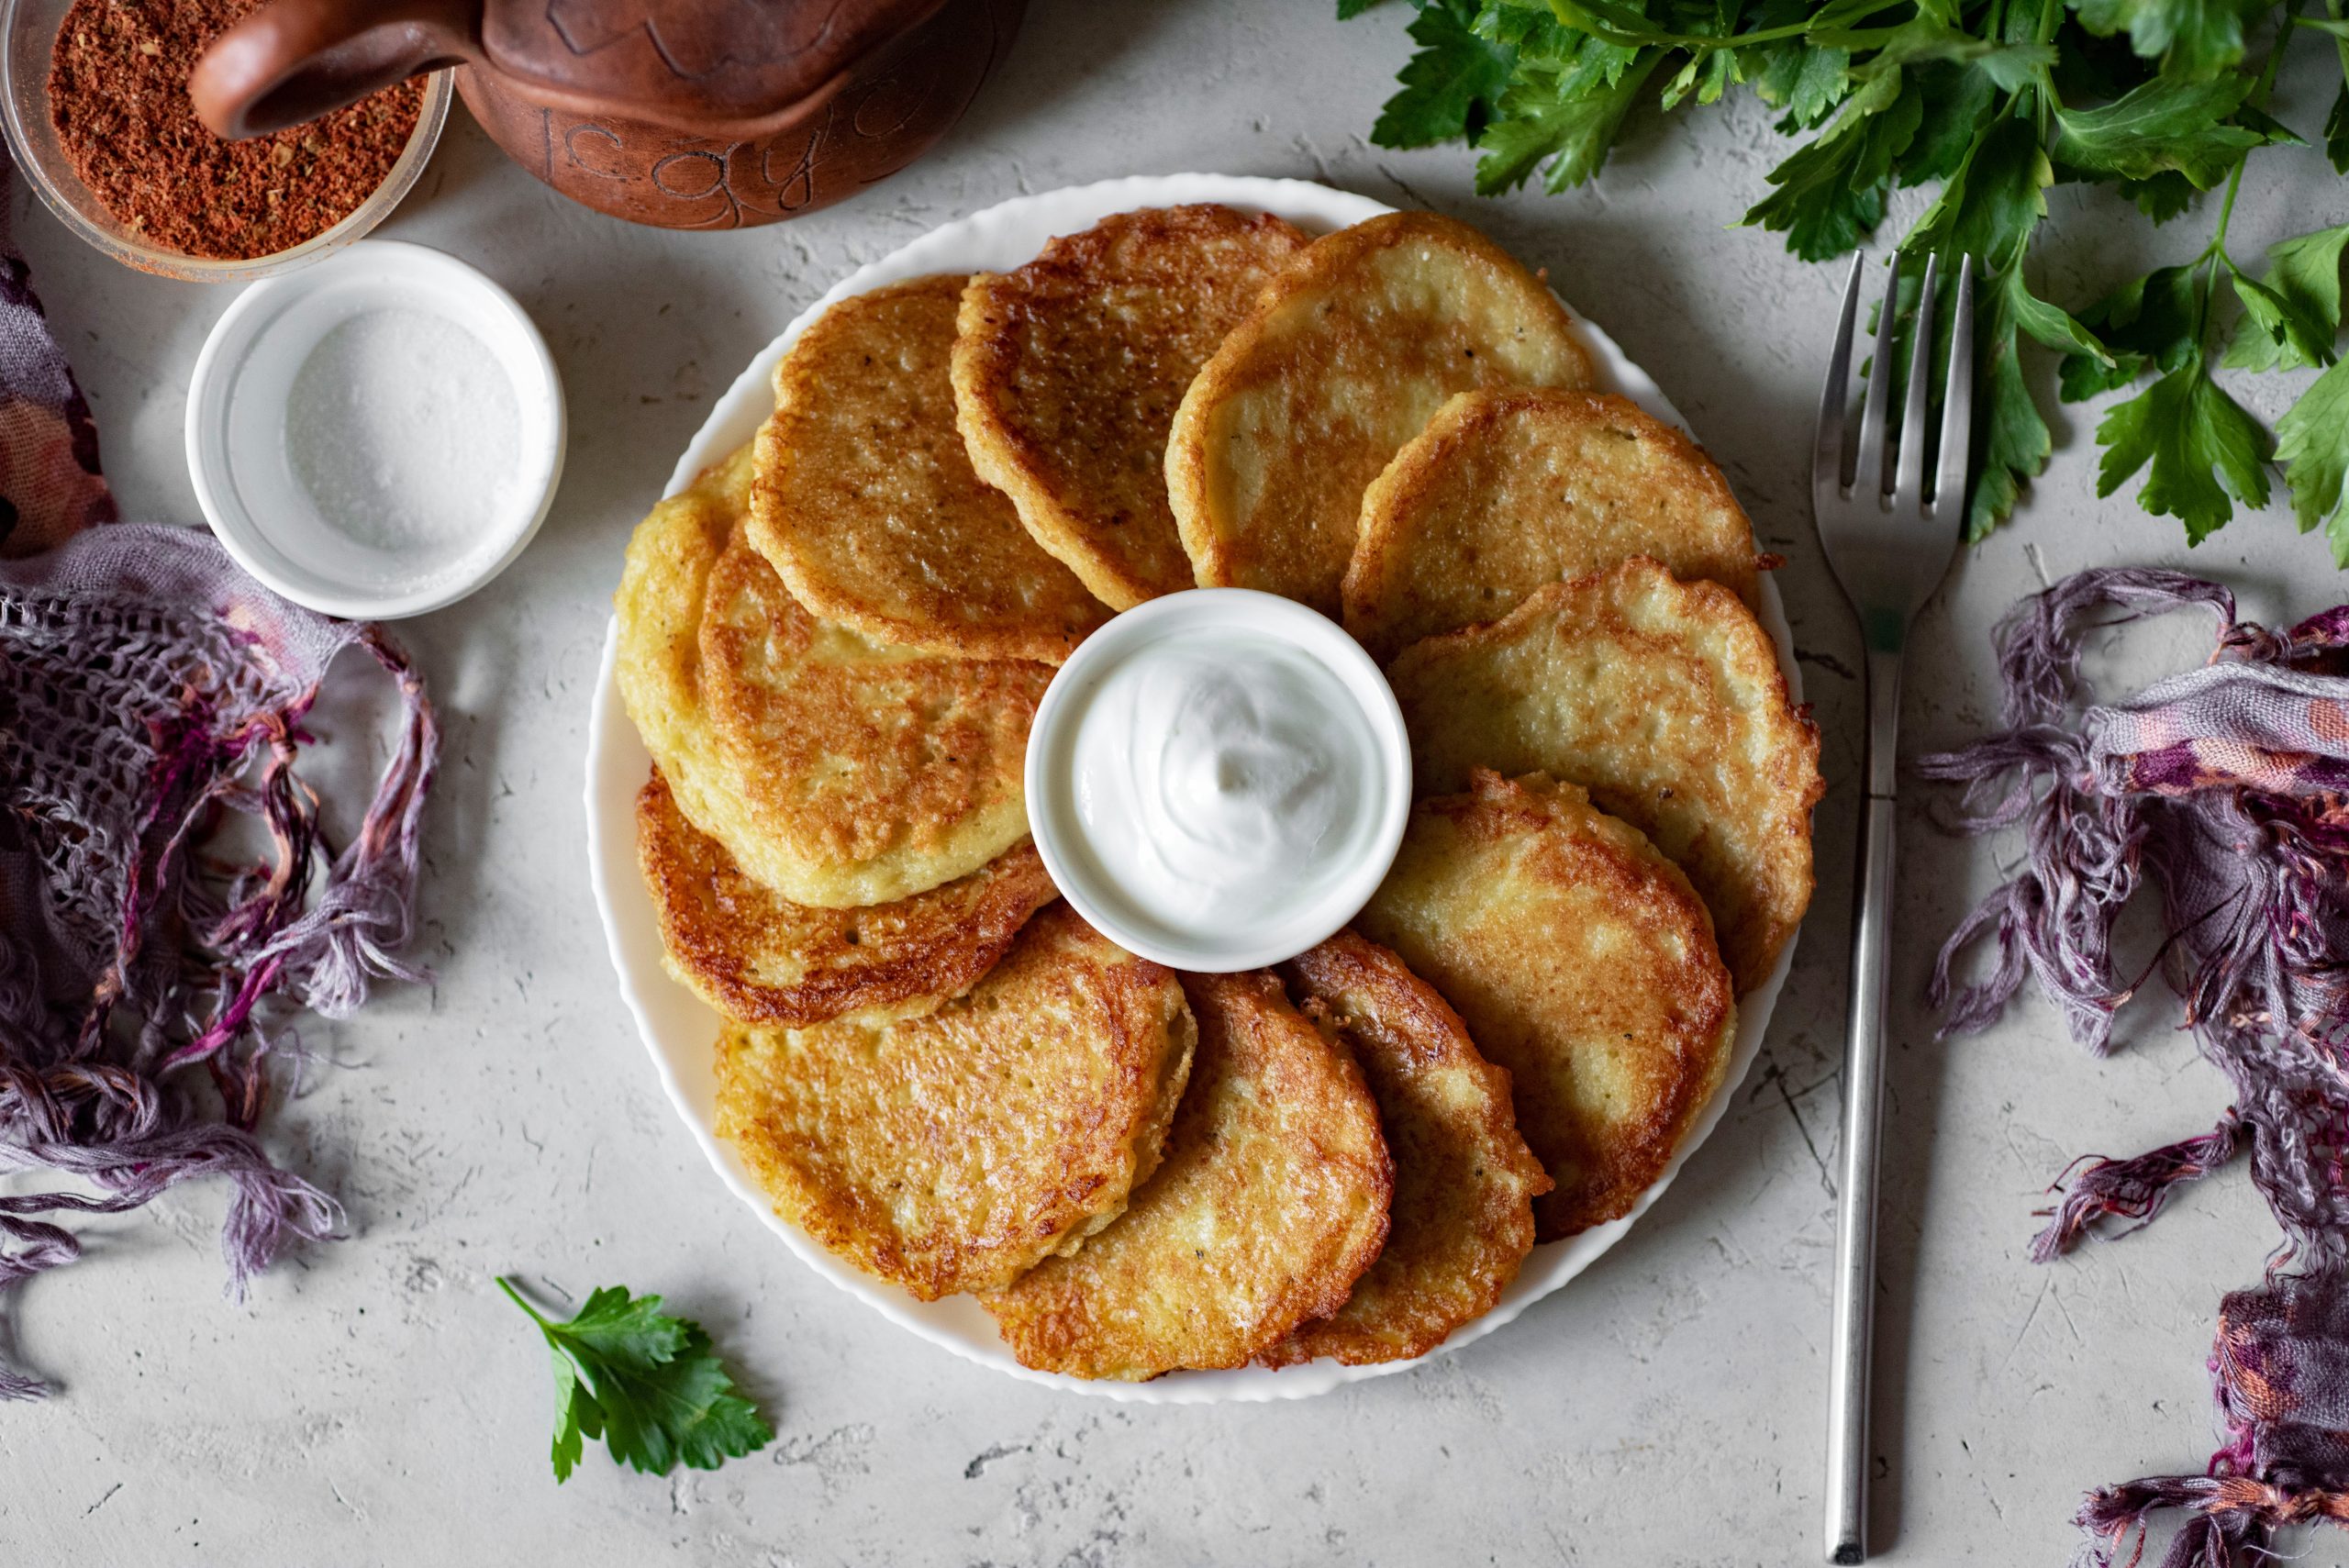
[97,115]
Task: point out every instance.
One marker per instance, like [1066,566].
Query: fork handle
[1855,1280]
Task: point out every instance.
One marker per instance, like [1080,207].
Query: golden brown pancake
[1510,488]
[1349,352]
[1582,962]
[867,502]
[760,959]
[1269,1204]
[1665,701]
[834,769]
[949,1152]
[1464,1183]
[1068,369]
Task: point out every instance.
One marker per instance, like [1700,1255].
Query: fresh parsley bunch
[1993,101]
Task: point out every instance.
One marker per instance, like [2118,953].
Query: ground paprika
[117,95]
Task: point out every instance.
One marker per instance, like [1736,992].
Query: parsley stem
[2227,207]
[2267,82]
[514,1296]
[2051,17]
[2216,256]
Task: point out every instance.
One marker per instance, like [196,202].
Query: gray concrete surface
[377,1401]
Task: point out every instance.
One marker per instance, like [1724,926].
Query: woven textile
[152,695]
[2227,787]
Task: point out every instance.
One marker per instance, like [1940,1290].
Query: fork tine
[1827,450]
[1908,486]
[1957,402]
[1868,470]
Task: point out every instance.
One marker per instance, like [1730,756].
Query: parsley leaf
[1450,86]
[1803,79]
[2162,197]
[2010,439]
[1990,205]
[2186,427]
[1957,101]
[1831,191]
[1566,113]
[2190,38]
[646,1384]
[2336,130]
[2148,321]
[2312,443]
[2052,324]
[1349,10]
[2292,315]
[2272,324]
[2163,126]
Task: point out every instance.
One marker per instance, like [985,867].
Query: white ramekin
[1051,767]
[235,422]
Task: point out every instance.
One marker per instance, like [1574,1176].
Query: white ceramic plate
[678,1027]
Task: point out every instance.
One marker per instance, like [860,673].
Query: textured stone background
[377,1401]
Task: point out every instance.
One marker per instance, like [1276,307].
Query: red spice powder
[117,95]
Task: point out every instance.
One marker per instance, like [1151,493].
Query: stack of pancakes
[833,644]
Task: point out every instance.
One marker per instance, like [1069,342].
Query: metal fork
[1889,544]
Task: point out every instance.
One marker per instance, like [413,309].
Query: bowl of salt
[378,435]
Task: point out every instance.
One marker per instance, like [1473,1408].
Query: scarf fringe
[2230,1519]
[2228,788]
[113,1123]
[2134,1189]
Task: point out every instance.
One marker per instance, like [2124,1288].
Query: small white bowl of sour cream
[378,435]
[1218,779]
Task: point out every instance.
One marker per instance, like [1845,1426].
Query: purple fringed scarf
[2230,784]
[150,692]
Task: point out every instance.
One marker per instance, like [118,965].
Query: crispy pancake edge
[1083,1189]
[1751,944]
[664,581]
[676,558]
[1065,611]
[1008,454]
[1384,582]
[1441,1267]
[1192,466]
[950,935]
[1253,1047]
[1636,880]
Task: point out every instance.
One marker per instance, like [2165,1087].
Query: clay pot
[685,114]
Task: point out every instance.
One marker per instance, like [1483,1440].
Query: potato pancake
[1665,701]
[1512,488]
[760,959]
[867,502]
[1269,1204]
[834,769]
[1462,1220]
[1067,372]
[1350,350]
[1583,963]
[949,1152]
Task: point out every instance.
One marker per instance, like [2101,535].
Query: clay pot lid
[688,63]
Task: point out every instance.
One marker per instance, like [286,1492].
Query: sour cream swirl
[1223,780]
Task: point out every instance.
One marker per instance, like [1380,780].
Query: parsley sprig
[645,1382]
[1993,102]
